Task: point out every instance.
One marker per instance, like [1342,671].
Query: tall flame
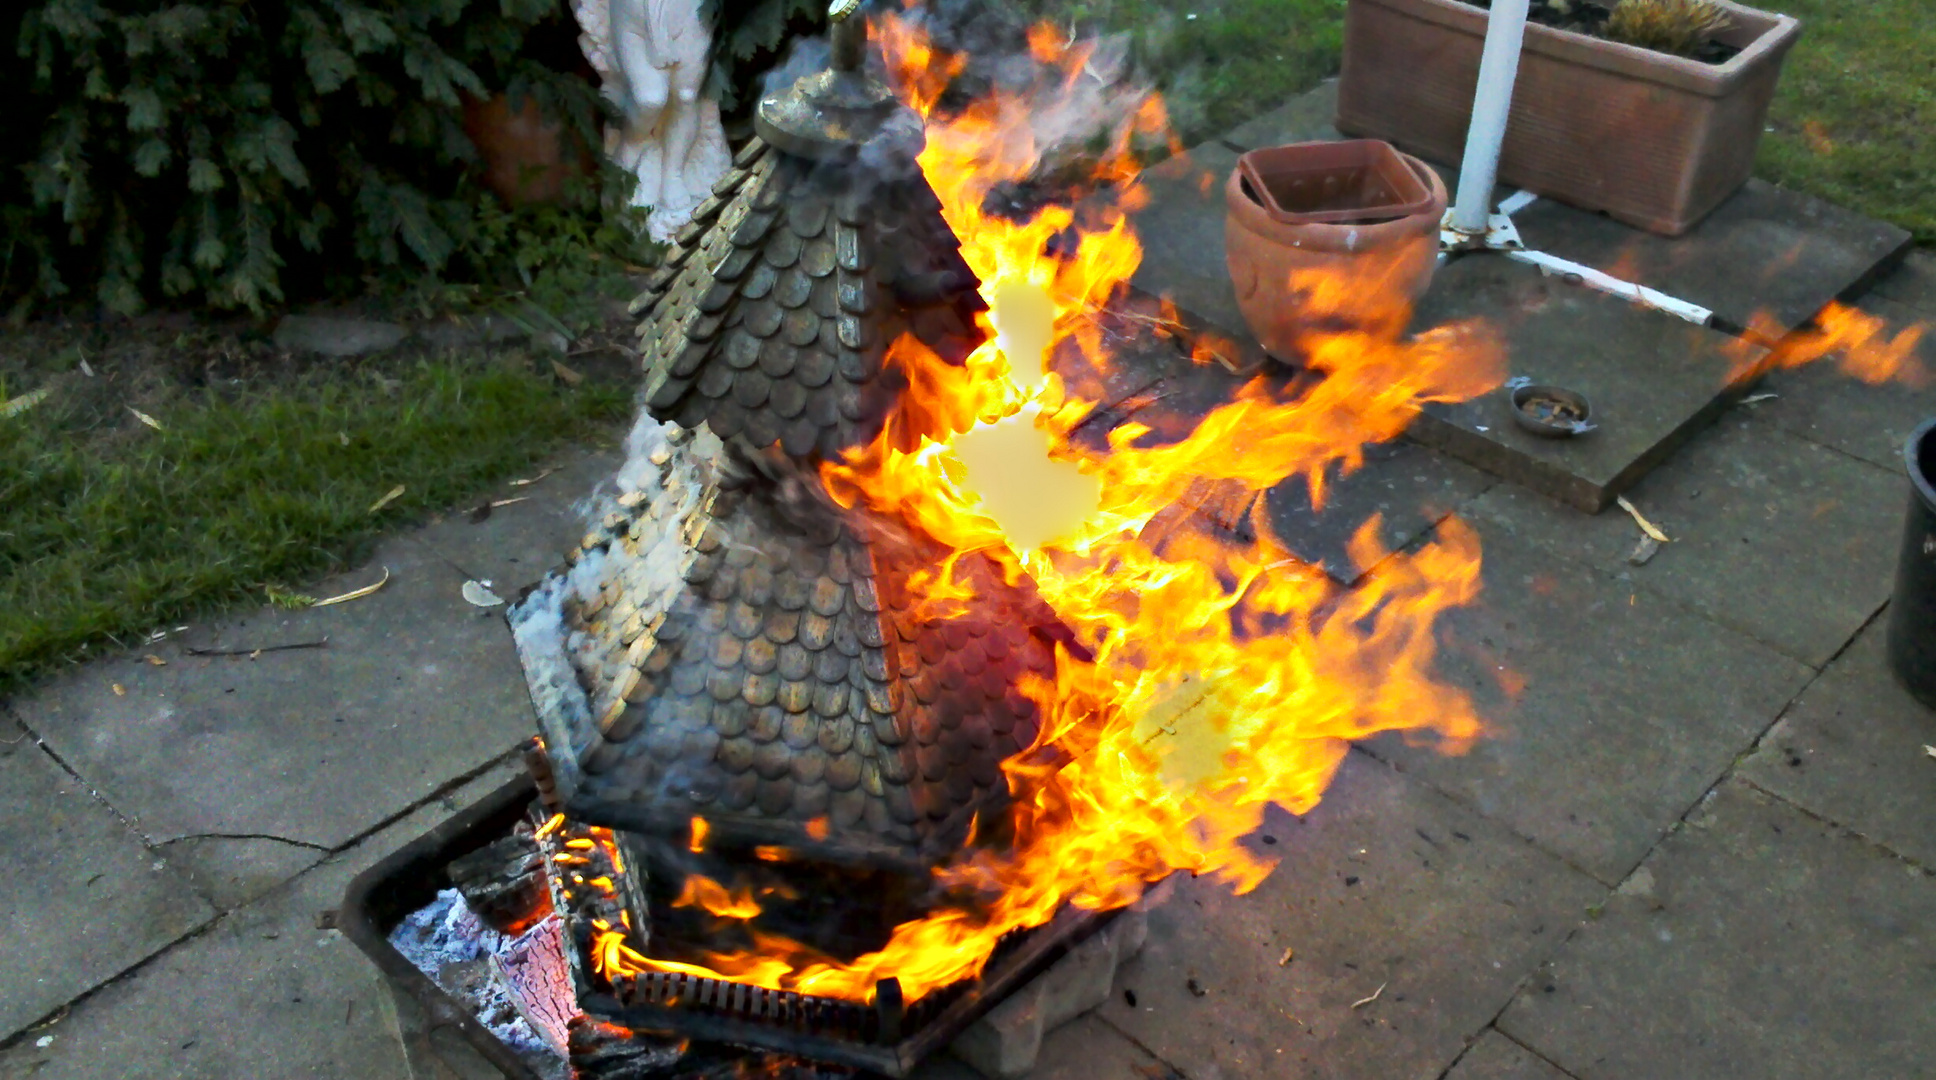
[1226,676]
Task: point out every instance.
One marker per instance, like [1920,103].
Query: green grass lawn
[110,528]
[1855,117]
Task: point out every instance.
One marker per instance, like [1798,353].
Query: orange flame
[1862,343]
[1226,676]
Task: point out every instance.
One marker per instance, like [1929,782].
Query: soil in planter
[1581,17]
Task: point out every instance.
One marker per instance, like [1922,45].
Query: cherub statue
[651,56]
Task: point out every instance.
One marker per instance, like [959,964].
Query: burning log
[504,883]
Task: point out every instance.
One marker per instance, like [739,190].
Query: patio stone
[83,898]
[1305,118]
[516,545]
[1851,751]
[1652,380]
[1756,944]
[230,871]
[1911,282]
[1409,487]
[1495,1057]
[309,746]
[1083,1049]
[1385,884]
[1610,710]
[1779,538]
[1821,404]
[264,994]
[1181,230]
[1765,251]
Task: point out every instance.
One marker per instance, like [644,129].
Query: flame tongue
[1226,677]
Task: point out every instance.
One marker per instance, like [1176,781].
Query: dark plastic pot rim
[1913,460]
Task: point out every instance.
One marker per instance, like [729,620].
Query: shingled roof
[771,315]
[743,650]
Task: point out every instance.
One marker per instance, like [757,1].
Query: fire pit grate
[886,1037]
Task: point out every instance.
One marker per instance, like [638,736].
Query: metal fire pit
[888,1037]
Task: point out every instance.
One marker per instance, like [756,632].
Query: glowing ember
[1226,677]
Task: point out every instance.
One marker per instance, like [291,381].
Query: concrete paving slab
[1765,251]
[83,898]
[263,994]
[1083,1049]
[1821,404]
[311,746]
[1756,944]
[1385,884]
[517,545]
[1851,751]
[1181,230]
[230,871]
[1784,540]
[1305,118]
[1611,711]
[1652,380]
[1495,1057]
[1911,282]
[1409,487]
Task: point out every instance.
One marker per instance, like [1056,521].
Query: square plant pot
[1652,139]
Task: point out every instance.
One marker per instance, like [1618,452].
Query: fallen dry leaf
[1640,519]
[565,374]
[1286,958]
[480,594]
[24,402]
[495,503]
[1362,1002]
[156,660]
[343,437]
[388,497]
[1930,750]
[85,368]
[356,594]
[120,691]
[533,479]
[145,418]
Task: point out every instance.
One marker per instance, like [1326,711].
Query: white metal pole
[1498,68]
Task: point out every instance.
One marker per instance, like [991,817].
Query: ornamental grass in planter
[1654,138]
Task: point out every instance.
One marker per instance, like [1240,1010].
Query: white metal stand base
[1502,237]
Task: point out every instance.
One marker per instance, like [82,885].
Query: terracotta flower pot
[1654,140]
[525,157]
[1293,275]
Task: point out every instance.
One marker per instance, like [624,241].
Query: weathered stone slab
[1822,404]
[1495,1057]
[314,746]
[1777,537]
[263,994]
[230,871]
[1765,251]
[1611,710]
[1651,379]
[1409,487]
[1912,282]
[1305,118]
[83,898]
[1084,1049]
[1181,230]
[516,545]
[1385,884]
[1851,750]
[1756,944]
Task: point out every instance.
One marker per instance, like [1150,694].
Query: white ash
[447,942]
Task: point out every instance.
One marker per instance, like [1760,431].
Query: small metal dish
[1551,412]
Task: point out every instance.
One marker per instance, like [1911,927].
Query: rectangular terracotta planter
[1654,140]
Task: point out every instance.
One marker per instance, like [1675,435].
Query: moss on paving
[111,528]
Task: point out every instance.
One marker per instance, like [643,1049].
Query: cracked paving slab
[1757,943]
[263,993]
[83,898]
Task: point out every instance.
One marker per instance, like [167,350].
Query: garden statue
[652,56]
